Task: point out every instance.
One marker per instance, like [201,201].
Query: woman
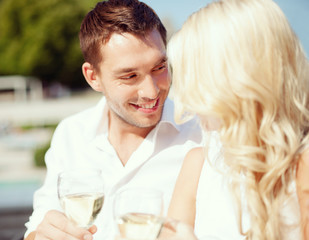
[239,66]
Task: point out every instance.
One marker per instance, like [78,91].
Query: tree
[40,38]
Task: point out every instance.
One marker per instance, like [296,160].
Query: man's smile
[147,107]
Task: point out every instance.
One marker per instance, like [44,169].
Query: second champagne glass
[138,213]
[81,195]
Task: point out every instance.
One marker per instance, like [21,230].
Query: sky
[297,12]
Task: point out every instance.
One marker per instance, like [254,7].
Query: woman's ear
[92,77]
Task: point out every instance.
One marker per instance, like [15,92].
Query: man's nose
[149,88]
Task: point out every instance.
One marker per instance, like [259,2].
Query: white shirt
[216,212]
[78,143]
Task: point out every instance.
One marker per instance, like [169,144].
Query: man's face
[134,78]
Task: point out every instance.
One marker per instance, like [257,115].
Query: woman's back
[216,211]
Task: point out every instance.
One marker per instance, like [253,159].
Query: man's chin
[140,120]
[147,125]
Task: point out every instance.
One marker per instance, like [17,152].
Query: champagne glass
[138,213]
[81,195]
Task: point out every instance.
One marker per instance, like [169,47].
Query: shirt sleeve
[46,197]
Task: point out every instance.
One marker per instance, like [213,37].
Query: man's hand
[56,225]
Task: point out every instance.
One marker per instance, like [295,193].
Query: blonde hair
[239,61]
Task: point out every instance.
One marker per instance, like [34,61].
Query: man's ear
[92,77]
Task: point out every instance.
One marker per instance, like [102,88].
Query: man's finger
[66,228]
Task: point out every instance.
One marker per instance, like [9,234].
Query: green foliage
[39,152]
[39,155]
[26,127]
[40,38]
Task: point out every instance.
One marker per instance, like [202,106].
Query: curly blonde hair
[240,62]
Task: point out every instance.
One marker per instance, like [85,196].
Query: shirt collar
[168,114]
[95,120]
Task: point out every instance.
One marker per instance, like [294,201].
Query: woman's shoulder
[196,153]
[194,159]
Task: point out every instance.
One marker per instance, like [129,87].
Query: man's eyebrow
[124,70]
[162,60]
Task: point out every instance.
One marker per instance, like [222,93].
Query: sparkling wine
[139,226]
[83,208]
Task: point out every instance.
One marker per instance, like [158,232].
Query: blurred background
[41,83]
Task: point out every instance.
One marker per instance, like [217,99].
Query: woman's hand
[175,230]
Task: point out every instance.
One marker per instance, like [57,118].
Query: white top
[216,216]
[78,143]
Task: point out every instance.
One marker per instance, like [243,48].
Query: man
[130,135]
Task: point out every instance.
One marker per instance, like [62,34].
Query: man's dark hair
[116,16]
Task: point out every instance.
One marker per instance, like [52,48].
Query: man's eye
[160,67]
[130,76]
